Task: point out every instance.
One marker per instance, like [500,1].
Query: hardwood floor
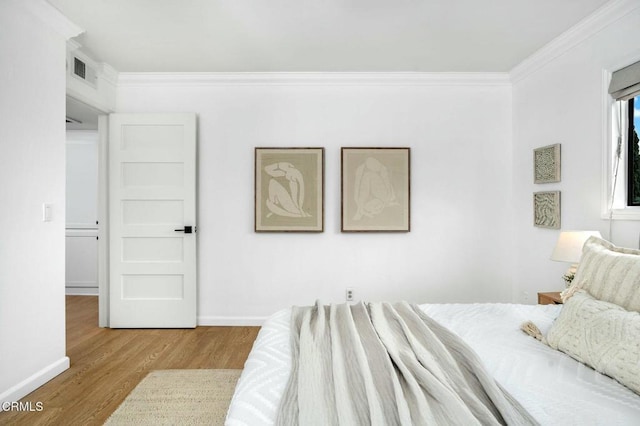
[106,364]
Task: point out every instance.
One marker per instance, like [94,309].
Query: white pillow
[602,335]
[610,273]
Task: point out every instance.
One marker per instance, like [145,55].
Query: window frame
[631,169]
[620,210]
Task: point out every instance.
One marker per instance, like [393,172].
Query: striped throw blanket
[387,364]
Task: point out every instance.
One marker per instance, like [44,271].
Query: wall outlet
[525,296]
[349,294]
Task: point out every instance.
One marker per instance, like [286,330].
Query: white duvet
[553,387]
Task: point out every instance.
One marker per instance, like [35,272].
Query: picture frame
[546,164]
[289,189]
[546,209]
[375,189]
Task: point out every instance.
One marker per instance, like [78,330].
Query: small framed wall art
[546,164]
[546,209]
[375,189]
[289,189]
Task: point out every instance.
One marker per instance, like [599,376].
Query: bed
[550,384]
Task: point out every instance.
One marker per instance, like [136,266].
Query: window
[622,191]
[633,152]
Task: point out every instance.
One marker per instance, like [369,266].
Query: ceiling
[319,35]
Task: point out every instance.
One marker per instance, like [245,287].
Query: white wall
[459,247]
[563,101]
[32,136]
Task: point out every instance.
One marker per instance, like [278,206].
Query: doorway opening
[83,228]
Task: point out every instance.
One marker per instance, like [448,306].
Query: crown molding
[73,45]
[52,17]
[588,27]
[313,78]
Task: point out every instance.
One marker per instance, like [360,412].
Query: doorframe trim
[103,220]
[103,203]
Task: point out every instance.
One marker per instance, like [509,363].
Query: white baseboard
[231,321]
[81,291]
[15,393]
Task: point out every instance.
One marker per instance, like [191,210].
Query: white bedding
[553,387]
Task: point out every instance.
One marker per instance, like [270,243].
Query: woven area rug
[178,397]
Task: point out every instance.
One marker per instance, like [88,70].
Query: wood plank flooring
[106,364]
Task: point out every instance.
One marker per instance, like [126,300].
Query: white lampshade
[569,246]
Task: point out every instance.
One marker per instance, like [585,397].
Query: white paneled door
[152,218]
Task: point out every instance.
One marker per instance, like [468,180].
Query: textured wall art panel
[546,209]
[546,164]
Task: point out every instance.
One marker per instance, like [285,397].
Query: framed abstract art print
[289,189]
[375,188]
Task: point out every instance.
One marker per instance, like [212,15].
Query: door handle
[186,230]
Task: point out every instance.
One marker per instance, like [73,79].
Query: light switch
[46,212]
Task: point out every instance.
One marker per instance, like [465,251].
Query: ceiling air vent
[84,72]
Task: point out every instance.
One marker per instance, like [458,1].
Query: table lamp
[569,249]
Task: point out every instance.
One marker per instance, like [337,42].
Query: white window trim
[609,136]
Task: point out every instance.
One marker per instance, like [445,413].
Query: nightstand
[549,298]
